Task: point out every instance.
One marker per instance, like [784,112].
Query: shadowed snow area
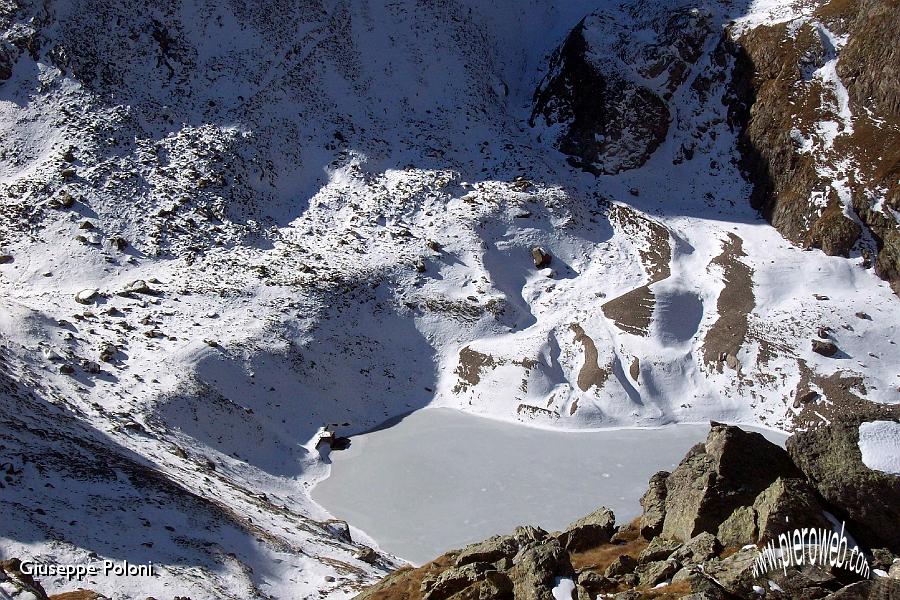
[678,316]
[441,479]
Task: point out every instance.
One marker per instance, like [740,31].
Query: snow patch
[879,442]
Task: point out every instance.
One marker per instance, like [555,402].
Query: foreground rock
[719,476]
[699,535]
[831,460]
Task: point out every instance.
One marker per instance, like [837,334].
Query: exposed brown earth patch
[632,312]
[726,336]
[597,559]
[77,595]
[529,410]
[841,397]
[590,373]
[473,363]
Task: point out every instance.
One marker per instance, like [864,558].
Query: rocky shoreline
[701,533]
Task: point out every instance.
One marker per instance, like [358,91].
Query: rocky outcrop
[717,477]
[525,564]
[653,503]
[596,528]
[614,120]
[732,468]
[819,109]
[831,460]
[15,584]
[537,568]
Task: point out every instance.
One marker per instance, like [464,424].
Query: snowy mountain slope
[334,223]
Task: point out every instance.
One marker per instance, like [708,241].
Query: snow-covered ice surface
[879,442]
[280,174]
[441,478]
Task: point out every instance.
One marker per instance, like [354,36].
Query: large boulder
[588,532]
[697,549]
[739,529]
[653,573]
[658,549]
[476,580]
[870,500]
[786,505]
[536,570]
[654,504]
[491,550]
[718,476]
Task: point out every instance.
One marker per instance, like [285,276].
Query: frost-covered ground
[334,221]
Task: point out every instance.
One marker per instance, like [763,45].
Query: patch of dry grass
[597,559]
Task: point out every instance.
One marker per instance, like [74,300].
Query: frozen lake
[441,479]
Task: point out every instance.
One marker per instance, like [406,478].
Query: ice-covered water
[441,478]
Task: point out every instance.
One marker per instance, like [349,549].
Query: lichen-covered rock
[697,549]
[652,573]
[832,462]
[739,529]
[873,589]
[716,477]
[488,551]
[785,505]
[486,581]
[590,531]
[658,549]
[619,566]
[536,570]
[653,503]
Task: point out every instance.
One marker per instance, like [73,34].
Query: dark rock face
[870,500]
[726,472]
[612,121]
[6,64]
[875,589]
[824,348]
[17,583]
[591,531]
[654,504]
[782,102]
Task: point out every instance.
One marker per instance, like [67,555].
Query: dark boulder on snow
[540,257]
[827,349]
